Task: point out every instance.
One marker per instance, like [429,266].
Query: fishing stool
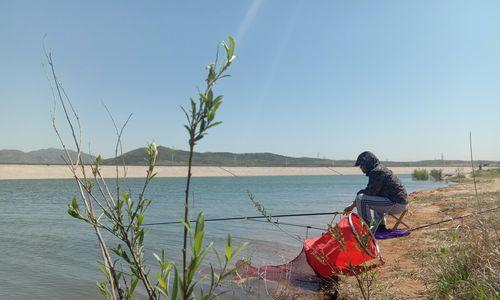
[399,219]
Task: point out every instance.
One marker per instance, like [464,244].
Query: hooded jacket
[381,181]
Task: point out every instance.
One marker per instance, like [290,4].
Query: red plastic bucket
[343,248]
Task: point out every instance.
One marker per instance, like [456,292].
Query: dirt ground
[403,275]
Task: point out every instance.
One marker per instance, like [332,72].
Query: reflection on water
[48,255]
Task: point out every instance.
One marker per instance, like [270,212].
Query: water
[46,254]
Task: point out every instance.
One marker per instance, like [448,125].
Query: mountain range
[171,157]
[51,156]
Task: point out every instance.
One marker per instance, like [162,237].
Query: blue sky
[407,80]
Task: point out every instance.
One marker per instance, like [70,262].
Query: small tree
[122,214]
[436,174]
[420,174]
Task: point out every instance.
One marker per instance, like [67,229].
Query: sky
[407,80]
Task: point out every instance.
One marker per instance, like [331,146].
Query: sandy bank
[60,172]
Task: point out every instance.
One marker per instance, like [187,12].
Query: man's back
[385,184]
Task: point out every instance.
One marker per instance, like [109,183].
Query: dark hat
[367,160]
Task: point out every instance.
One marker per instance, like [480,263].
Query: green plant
[365,282]
[436,174]
[420,174]
[122,214]
[469,268]
[201,117]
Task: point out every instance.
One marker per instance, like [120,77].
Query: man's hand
[349,208]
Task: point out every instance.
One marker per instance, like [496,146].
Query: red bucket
[343,248]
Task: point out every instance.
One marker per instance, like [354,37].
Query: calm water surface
[46,254]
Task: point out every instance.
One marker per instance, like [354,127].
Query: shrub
[470,268]
[420,174]
[436,174]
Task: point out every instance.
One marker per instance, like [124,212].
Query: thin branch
[473,172]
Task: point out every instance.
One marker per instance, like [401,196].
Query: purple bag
[390,234]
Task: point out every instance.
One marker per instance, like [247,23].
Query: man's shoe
[382,228]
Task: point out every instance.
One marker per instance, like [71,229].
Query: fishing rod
[455,218]
[333,170]
[249,218]
[288,224]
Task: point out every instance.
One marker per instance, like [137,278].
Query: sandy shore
[60,172]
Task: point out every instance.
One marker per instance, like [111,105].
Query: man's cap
[366,159]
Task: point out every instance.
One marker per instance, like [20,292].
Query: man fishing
[384,193]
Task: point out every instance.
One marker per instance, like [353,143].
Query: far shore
[62,172]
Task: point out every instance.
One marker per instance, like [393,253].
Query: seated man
[384,193]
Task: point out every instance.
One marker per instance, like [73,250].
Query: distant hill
[49,156]
[171,157]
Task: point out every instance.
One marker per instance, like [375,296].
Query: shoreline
[62,172]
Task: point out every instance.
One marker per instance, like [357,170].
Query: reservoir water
[46,254]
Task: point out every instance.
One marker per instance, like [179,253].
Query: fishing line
[277,222]
[456,218]
[248,218]
[331,169]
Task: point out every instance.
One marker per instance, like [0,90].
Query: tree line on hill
[171,157]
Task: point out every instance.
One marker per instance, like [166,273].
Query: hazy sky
[405,79]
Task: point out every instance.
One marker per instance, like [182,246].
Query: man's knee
[358,199]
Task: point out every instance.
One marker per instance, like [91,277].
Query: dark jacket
[382,182]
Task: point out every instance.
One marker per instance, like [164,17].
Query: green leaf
[166,265]
[175,285]
[202,125]
[217,103]
[227,248]
[200,223]
[214,124]
[140,236]
[186,114]
[140,219]
[120,204]
[199,137]
[161,282]
[102,268]
[239,248]
[230,51]
[211,115]
[103,289]
[121,253]
[210,96]
[133,285]
[187,226]
[74,210]
[193,106]
[198,241]
[74,214]
[160,261]
[74,203]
